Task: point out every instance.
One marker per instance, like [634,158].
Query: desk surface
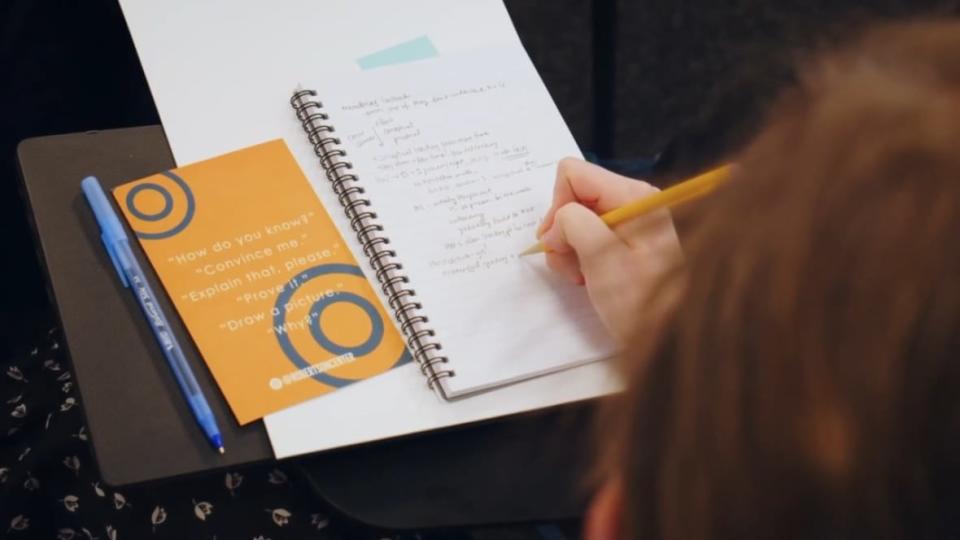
[142,427]
[523,468]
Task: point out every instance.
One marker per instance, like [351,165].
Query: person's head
[807,384]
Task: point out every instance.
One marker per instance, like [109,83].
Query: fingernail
[542,229]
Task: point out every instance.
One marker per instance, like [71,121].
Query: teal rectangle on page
[419,48]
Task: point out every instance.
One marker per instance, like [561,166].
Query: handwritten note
[459,159]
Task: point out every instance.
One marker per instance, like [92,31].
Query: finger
[566,265]
[593,187]
[651,230]
[579,230]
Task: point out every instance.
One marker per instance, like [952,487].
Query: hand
[621,266]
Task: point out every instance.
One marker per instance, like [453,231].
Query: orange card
[276,303]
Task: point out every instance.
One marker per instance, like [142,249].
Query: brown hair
[808,384]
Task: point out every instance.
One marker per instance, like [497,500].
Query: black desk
[522,469]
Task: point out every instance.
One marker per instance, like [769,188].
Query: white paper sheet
[222,73]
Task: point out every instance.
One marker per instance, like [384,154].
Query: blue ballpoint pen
[131,275]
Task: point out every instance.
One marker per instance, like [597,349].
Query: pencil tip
[222,451]
[536,248]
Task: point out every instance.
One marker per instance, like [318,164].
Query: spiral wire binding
[400,298]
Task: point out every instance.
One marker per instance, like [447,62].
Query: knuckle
[568,211]
[567,163]
[644,187]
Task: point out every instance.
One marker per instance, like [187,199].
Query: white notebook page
[458,156]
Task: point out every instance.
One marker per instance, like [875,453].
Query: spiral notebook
[444,168]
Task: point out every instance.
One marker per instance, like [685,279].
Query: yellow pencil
[670,197]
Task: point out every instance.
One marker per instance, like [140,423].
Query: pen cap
[107,219]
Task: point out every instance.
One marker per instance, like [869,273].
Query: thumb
[576,228]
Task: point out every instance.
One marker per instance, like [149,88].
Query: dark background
[684,79]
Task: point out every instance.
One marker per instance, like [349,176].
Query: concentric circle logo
[316,318]
[376,324]
[162,213]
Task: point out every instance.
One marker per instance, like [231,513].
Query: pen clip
[113,258]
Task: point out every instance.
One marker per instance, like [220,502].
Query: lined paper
[458,155]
